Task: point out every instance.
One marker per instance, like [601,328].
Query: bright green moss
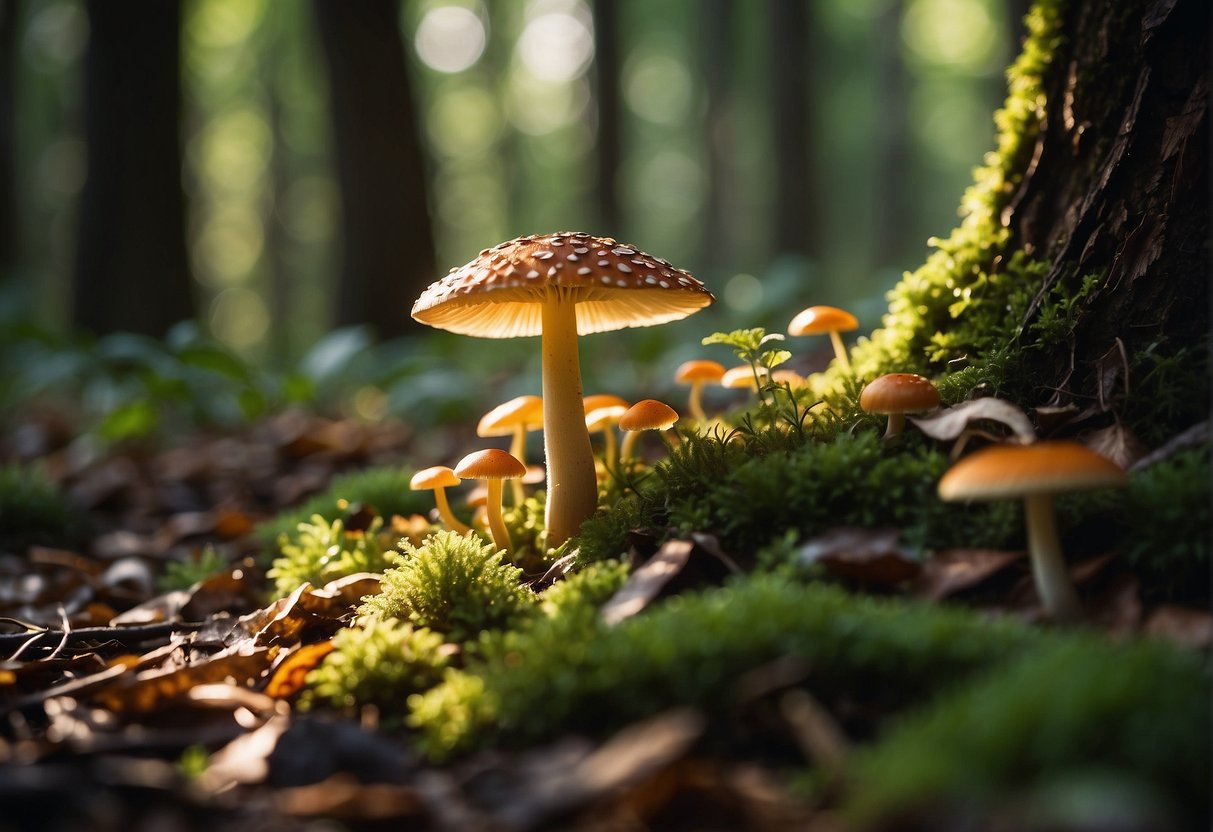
[323,551]
[1137,714]
[377,662]
[452,584]
[385,490]
[588,588]
[572,673]
[33,510]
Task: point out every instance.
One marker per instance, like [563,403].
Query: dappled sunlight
[557,42]
[450,39]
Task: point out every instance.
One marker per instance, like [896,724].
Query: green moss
[572,673]
[323,551]
[452,584]
[377,662]
[385,490]
[33,510]
[1136,712]
[588,588]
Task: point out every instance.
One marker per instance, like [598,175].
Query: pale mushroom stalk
[696,402]
[840,352]
[1049,571]
[629,443]
[501,535]
[447,515]
[518,451]
[572,494]
[894,428]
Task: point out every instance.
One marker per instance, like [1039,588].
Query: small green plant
[33,510]
[180,574]
[380,662]
[455,585]
[750,346]
[323,550]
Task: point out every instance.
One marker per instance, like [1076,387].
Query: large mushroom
[1035,473]
[560,286]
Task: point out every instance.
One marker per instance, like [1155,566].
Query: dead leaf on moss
[952,571]
[1116,607]
[342,798]
[951,422]
[871,556]
[1184,626]
[291,672]
[151,690]
[646,583]
[1116,443]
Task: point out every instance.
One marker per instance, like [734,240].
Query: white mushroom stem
[610,448]
[448,516]
[1053,583]
[501,535]
[695,405]
[840,352]
[518,451]
[892,431]
[572,483]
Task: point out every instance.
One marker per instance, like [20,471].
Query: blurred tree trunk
[1118,186]
[718,21]
[606,60]
[891,205]
[132,267]
[388,257]
[796,194]
[8,127]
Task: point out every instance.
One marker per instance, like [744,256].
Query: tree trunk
[1118,187]
[8,129]
[717,56]
[388,256]
[132,270]
[892,206]
[606,61]
[795,192]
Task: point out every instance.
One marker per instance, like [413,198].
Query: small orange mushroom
[822,320]
[437,479]
[647,414]
[897,394]
[697,373]
[493,465]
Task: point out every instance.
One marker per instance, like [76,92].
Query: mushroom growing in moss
[437,479]
[826,320]
[514,419]
[895,395]
[1035,473]
[647,414]
[560,286]
[493,465]
[697,373]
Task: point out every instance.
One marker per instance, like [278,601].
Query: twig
[121,635]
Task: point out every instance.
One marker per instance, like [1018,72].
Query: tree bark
[388,256]
[1118,186]
[8,129]
[717,56]
[132,270]
[795,191]
[606,62]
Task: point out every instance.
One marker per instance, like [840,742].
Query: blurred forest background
[275,171]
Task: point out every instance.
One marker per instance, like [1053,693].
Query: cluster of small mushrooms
[563,285]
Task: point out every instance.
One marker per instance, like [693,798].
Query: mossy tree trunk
[1117,186]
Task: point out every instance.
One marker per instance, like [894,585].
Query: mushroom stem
[892,432]
[448,516]
[610,448]
[518,451]
[1049,571]
[629,442]
[501,535]
[572,483]
[840,352]
[696,403]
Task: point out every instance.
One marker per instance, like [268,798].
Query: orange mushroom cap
[743,376]
[818,320]
[899,393]
[595,401]
[502,419]
[490,464]
[699,370]
[648,414]
[1006,471]
[438,476]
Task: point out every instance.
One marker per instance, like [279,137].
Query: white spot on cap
[624,267]
[649,279]
[532,273]
[587,270]
[573,257]
[543,255]
[581,250]
[621,282]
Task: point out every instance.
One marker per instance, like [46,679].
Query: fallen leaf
[153,689]
[952,571]
[1117,444]
[343,798]
[291,673]
[1184,626]
[873,556]
[950,422]
[644,584]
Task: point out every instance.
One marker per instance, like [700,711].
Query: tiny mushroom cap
[437,479]
[604,419]
[1035,473]
[647,414]
[514,418]
[742,377]
[493,465]
[825,320]
[697,373]
[560,286]
[897,394]
[596,401]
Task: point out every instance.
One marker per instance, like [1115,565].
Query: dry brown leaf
[1184,626]
[952,571]
[646,583]
[951,422]
[343,798]
[291,673]
[1116,443]
[873,556]
[153,689]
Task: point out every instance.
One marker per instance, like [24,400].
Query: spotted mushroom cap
[498,294]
